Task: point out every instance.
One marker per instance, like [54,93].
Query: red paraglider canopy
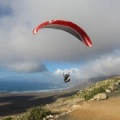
[67,26]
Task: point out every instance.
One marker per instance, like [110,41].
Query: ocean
[22,86]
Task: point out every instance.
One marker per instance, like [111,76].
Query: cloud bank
[20,50]
[104,66]
[27,67]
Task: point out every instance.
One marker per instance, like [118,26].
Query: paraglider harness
[66,77]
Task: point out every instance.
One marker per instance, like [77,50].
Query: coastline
[39,91]
[12,103]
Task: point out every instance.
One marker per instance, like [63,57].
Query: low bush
[8,118]
[93,92]
[38,113]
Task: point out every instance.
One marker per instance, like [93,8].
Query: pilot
[66,77]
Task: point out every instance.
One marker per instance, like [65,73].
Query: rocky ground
[97,110]
[107,109]
[69,105]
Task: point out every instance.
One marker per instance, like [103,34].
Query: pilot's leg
[67,80]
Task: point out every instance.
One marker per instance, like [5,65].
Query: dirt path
[97,110]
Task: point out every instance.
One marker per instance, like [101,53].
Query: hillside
[98,101]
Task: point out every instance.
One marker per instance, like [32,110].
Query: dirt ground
[97,110]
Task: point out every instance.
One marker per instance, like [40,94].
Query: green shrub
[92,93]
[8,118]
[38,113]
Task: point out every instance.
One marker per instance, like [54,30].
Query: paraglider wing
[67,26]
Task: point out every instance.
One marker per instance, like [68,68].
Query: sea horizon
[23,86]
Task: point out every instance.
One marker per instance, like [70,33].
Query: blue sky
[5,11]
[45,56]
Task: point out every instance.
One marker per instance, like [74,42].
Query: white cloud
[99,18]
[27,67]
[103,66]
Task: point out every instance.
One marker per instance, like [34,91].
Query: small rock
[44,118]
[108,90]
[56,116]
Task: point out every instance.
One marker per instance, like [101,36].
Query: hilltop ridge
[81,103]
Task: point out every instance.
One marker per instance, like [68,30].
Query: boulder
[100,96]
